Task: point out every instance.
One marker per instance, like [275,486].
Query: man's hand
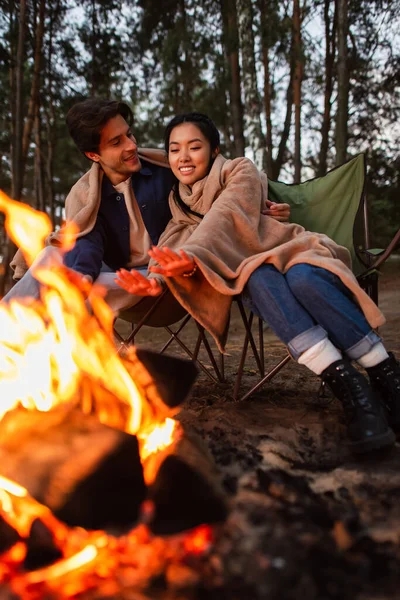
[137,284]
[83,282]
[171,263]
[280,212]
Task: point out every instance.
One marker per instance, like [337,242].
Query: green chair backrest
[327,204]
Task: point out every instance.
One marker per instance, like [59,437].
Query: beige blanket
[234,238]
[82,204]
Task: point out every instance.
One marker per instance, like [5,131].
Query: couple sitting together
[201,224]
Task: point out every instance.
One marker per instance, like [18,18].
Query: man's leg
[28,286]
[116,297]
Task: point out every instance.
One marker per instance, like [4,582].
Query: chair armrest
[380,255]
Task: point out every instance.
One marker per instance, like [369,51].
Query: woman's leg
[273,299]
[330,304]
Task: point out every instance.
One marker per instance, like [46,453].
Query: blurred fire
[89,557]
[54,351]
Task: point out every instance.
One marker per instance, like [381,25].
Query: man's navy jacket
[108,241]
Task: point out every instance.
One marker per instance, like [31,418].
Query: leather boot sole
[383,440]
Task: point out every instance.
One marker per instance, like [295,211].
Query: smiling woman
[189,153]
[219,244]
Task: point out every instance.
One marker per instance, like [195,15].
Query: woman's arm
[279,212]
[172,264]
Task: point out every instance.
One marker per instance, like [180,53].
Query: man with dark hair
[120,206]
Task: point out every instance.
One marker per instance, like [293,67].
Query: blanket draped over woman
[234,238]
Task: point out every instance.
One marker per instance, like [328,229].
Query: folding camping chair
[334,204]
[164,311]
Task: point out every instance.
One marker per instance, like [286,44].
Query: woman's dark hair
[86,120]
[210,132]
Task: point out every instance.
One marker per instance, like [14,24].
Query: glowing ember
[158,439]
[90,557]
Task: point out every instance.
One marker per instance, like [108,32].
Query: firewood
[8,536]
[88,474]
[41,549]
[162,378]
[186,491]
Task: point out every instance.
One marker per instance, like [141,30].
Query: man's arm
[86,256]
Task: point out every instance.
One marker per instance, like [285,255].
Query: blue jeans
[307,304]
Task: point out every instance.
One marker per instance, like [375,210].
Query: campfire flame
[54,352]
[75,347]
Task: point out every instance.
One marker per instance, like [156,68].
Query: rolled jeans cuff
[363,346]
[306,340]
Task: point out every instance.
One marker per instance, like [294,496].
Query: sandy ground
[308,519]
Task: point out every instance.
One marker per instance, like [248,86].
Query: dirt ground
[308,519]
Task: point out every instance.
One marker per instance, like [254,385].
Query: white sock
[320,356]
[375,356]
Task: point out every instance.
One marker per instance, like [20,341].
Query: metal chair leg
[267,377]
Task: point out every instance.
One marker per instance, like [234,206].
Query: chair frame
[124,343]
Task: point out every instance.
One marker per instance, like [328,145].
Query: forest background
[297,85]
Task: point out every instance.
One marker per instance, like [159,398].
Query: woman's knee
[304,279]
[258,277]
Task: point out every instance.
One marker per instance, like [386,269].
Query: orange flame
[56,351]
[21,221]
[52,348]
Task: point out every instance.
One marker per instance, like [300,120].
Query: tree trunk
[39,183]
[298,76]
[281,156]
[49,115]
[249,79]
[94,36]
[17,107]
[343,84]
[187,67]
[35,86]
[330,50]
[231,44]
[265,43]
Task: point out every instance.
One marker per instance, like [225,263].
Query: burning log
[173,377]
[41,549]
[8,536]
[87,473]
[186,491]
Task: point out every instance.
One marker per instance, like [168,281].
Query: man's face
[117,151]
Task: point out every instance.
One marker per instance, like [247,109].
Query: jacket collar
[108,188]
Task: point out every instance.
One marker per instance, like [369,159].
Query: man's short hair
[86,120]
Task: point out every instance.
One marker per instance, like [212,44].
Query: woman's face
[189,153]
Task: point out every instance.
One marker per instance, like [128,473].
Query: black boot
[385,381]
[367,427]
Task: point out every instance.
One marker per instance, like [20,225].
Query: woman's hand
[171,263]
[137,284]
[279,212]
